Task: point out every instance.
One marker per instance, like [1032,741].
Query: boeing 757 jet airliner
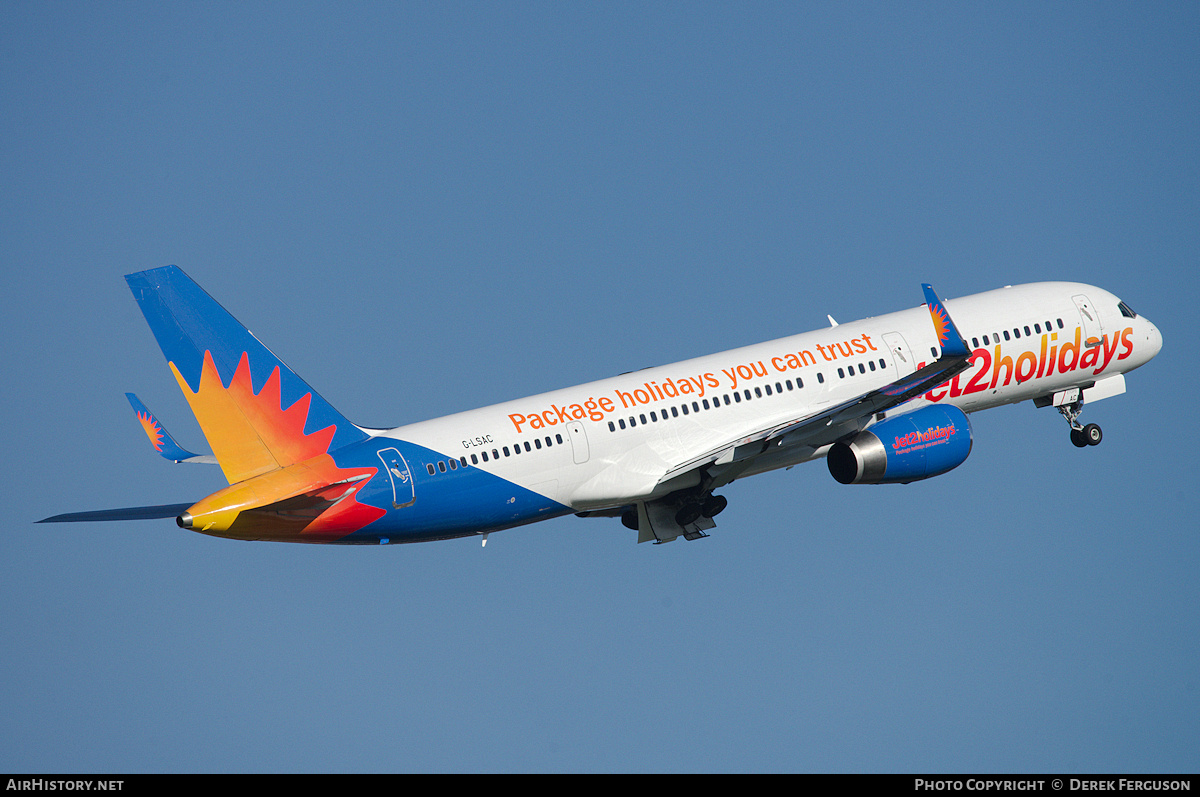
[882,400]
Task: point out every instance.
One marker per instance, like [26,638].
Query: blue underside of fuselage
[452,503]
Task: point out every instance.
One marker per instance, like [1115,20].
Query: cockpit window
[1126,310]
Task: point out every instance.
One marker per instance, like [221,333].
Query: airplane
[883,400]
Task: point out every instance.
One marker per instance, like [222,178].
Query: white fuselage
[609,442]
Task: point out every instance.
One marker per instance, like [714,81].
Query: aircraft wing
[831,423]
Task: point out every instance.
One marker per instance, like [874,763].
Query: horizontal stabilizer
[129,513]
[161,439]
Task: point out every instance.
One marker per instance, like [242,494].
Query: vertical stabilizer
[257,414]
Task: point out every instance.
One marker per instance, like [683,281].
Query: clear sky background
[429,207]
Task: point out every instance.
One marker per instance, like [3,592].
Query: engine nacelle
[905,448]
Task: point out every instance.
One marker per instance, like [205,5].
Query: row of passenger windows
[862,369]
[705,404]
[729,399]
[1015,335]
[529,446]
[443,466]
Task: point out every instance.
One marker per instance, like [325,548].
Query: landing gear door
[901,355]
[401,478]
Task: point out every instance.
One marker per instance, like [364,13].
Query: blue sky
[425,208]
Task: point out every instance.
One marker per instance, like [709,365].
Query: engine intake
[905,448]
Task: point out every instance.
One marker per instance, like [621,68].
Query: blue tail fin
[257,414]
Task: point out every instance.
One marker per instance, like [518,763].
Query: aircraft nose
[1154,339]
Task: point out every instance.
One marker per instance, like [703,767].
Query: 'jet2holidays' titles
[1049,360]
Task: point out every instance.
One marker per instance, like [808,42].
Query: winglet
[160,438]
[949,339]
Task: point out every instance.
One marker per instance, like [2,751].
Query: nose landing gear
[1082,436]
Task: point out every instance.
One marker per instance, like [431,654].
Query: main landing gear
[1082,436]
[708,506]
[691,510]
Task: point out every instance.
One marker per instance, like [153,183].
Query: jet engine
[904,448]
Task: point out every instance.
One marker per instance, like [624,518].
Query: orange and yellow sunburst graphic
[253,435]
[941,323]
[153,430]
[250,432]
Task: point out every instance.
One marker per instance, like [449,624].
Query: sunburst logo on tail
[152,429]
[251,433]
[254,435]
